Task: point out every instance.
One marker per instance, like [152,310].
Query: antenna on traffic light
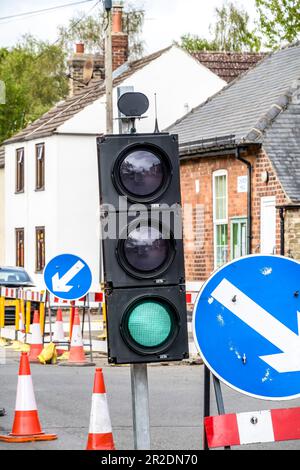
[156,129]
[133,105]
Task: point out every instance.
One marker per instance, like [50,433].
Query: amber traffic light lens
[146,250]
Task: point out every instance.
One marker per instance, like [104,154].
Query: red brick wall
[119,49]
[260,189]
[199,250]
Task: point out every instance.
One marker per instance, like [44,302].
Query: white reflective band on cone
[58,331]
[25,400]
[36,336]
[76,336]
[100,419]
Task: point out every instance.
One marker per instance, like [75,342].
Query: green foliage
[231,32]
[34,74]
[91,31]
[193,43]
[279,21]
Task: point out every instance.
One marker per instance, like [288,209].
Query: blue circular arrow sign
[68,277]
[246,326]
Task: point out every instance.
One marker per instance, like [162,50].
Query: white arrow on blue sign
[68,277]
[246,326]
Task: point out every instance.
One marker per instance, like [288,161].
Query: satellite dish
[88,71]
[133,105]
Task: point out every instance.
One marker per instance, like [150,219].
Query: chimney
[77,63]
[119,38]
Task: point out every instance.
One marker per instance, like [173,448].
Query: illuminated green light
[150,324]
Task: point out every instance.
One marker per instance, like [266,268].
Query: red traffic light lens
[142,174]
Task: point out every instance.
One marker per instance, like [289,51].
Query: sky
[165,20]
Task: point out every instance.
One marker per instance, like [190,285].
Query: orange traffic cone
[76,356]
[100,432]
[77,352]
[58,331]
[36,344]
[26,426]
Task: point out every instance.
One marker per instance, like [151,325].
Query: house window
[20,170]
[20,247]
[239,238]
[40,167]
[39,249]
[220,217]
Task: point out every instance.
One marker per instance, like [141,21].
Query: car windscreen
[10,277]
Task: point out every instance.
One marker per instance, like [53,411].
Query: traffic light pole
[108,74]
[140,406]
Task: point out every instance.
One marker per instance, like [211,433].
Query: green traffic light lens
[150,323]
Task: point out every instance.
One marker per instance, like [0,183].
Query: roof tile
[228,65]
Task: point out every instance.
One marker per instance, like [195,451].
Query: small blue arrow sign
[246,326]
[68,277]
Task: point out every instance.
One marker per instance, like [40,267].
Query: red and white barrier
[252,428]
[20,294]
[90,298]
[9,293]
[192,292]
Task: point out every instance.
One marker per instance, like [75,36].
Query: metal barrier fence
[21,300]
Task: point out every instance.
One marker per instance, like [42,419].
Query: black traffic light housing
[143,248]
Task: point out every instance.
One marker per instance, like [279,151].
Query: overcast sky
[166,20]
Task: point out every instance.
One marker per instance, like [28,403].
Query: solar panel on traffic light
[142,248]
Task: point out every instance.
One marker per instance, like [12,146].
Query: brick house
[240,167]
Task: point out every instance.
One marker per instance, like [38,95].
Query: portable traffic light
[142,248]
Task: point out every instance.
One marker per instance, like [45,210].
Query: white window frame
[239,221]
[216,221]
[265,202]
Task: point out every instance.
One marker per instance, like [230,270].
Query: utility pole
[108,69]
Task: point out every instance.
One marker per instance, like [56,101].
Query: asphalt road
[63,396]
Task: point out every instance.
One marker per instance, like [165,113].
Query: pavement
[63,396]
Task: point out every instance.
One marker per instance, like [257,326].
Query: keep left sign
[68,277]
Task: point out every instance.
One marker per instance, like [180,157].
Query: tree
[279,21]
[91,31]
[193,43]
[231,32]
[34,74]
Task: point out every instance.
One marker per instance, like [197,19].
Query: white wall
[78,196]
[32,208]
[67,208]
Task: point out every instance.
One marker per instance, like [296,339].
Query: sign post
[140,407]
